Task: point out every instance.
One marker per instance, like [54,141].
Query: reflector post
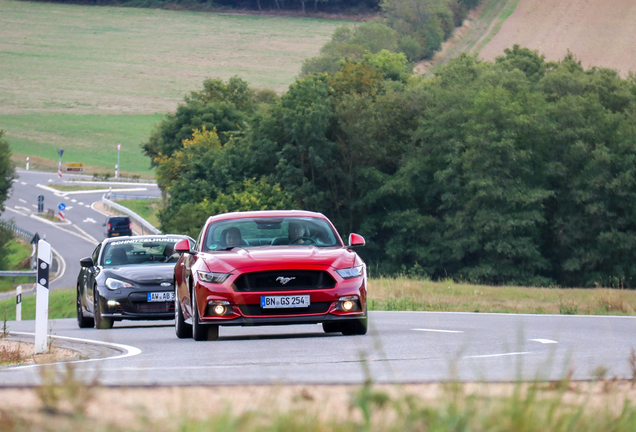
[42,296]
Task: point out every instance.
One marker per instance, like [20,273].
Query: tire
[82,321]
[331,327]
[202,332]
[100,322]
[181,328]
[356,327]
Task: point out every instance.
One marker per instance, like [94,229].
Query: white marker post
[42,296]
[18,303]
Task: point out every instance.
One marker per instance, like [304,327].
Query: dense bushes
[515,171]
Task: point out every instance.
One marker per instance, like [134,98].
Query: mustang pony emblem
[284,280]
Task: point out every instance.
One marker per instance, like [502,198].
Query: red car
[269,268]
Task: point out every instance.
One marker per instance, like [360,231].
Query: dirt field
[598,32]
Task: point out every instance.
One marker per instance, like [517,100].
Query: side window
[96,253]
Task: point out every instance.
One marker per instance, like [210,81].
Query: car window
[147,251]
[268,231]
[96,253]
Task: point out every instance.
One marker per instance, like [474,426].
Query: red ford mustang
[269,268]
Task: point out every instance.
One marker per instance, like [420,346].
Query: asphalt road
[78,237]
[402,347]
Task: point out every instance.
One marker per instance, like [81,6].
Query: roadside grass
[146,208]
[424,295]
[84,78]
[64,402]
[61,305]
[18,254]
[90,139]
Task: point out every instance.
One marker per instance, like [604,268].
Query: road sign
[61,206]
[40,198]
[60,152]
[76,167]
[35,239]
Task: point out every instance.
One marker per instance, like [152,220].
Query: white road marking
[87,238]
[22,201]
[14,181]
[22,208]
[74,200]
[498,355]
[68,207]
[23,183]
[86,234]
[80,203]
[439,331]
[66,197]
[89,220]
[34,206]
[130,351]
[544,341]
[87,206]
[15,211]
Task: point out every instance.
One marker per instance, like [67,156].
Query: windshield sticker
[108,261]
[146,240]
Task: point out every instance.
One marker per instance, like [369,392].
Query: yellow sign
[75,164]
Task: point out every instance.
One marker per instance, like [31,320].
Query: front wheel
[202,332]
[100,322]
[82,321]
[181,328]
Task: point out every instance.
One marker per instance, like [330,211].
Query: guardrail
[15,274]
[20,232]
[146,227]
[121,197]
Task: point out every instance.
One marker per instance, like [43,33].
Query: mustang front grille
[284,280]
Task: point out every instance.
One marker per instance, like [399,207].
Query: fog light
[218,308]
[112,303]
[348,304]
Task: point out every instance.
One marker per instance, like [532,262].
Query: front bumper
[132,304]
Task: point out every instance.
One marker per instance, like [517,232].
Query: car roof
[265,213]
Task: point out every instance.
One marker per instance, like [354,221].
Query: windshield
[271,231]
[140,251]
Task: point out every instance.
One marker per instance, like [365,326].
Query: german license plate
[290,301]
[115,234]
[161,296]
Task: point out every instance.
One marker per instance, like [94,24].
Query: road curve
[75,239]
[402,347]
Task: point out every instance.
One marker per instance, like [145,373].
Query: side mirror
[86,262]
[183,246]
[356,240]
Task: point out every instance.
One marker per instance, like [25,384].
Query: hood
[279,256]
[150,274]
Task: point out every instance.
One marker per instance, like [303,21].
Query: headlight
[352,272]
[115,284]
[213,277]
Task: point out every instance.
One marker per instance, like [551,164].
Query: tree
[7,170]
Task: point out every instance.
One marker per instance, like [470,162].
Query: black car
[128,278]
[118,226]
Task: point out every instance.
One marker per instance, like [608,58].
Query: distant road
[77,238]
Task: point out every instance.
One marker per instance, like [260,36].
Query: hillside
[598,32]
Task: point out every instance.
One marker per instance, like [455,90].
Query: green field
[85,78]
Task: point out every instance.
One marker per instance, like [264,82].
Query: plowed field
[597,32]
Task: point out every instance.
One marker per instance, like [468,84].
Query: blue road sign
[61,206]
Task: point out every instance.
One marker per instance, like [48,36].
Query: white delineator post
[18,303]
[42,296]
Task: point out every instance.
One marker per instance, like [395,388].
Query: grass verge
[63,402]
[18,258]
[61,305]
[146,208]
[423,295]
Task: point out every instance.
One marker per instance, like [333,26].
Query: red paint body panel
[265,263]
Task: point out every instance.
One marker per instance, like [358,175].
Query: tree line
[517,171]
